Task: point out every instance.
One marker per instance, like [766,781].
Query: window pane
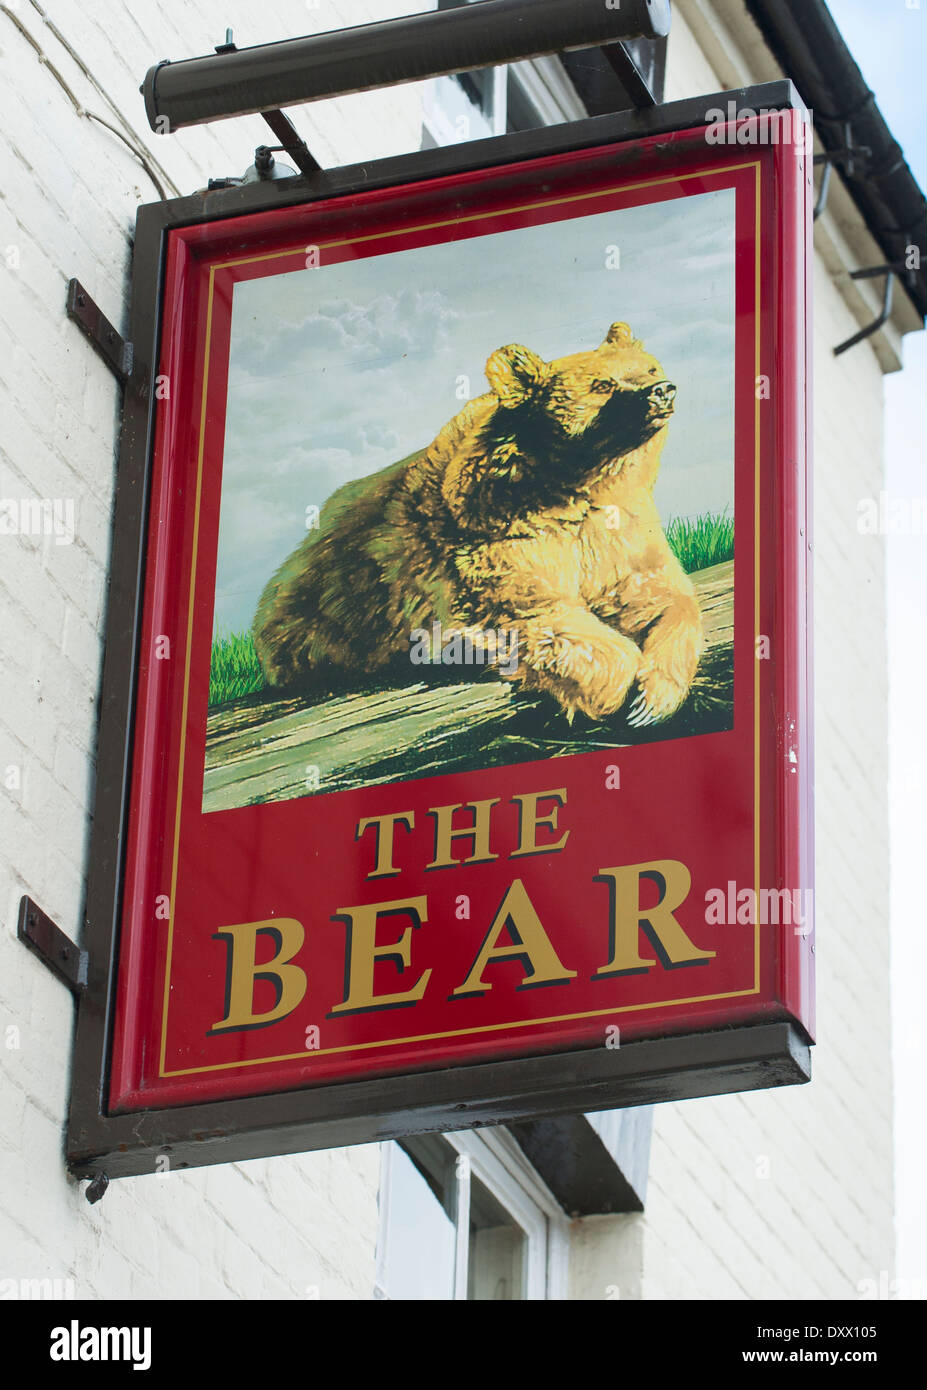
[468,99]
[522,112]
[449,108]
[478,85]
[479,89]
[497,1249]
[420,1239]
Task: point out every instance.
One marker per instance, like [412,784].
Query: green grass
[234,669]
[707,540]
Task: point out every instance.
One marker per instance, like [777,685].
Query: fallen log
[261,749]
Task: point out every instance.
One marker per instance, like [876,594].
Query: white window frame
[543,81]
[437,117]
[496,1160]
[549,89]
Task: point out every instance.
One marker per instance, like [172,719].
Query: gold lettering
[529,820]
[661,928]
[531,945]
[385,829]
[242,970]
[363,954]
[478,832]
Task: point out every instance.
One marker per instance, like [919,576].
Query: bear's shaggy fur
[532,510]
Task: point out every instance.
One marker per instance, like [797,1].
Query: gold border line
[186,675]
[518,1023]
[757,450]
[482,216]
[456,1033]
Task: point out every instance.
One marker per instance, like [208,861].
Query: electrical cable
[43,58]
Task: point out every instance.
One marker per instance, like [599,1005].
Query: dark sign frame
[640,1072]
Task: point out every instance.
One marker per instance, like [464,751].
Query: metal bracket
[820,205]
[99,332]
[291,142]
[846,155]
[281,125]
[96,1188]
[629,75]
[45,939]
[890,270]
[68,962]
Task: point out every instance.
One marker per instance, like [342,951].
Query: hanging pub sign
[455,757]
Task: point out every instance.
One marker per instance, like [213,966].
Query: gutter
[804,39]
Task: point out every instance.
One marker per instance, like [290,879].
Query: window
[493,101]
[465,1216]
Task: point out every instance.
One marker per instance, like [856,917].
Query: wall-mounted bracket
[629,75]
[45,939]
[96,1188]
[872,273]
[292,142]
[99,332]
[847,156]
[386,53]
[820,205]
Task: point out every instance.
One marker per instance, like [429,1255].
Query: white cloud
[338,372]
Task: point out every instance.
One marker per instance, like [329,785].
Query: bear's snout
[662,396]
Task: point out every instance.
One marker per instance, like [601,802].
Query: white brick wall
[821,1220]
[281,1228]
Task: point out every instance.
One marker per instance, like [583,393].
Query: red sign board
[472,709]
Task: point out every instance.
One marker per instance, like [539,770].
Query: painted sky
[339,371]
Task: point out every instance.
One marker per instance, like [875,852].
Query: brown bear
[531,513]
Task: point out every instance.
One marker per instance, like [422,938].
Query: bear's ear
[619,333]
[515,373]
